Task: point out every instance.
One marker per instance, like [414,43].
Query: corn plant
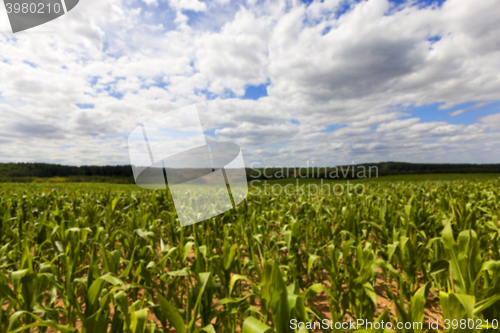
[104,258]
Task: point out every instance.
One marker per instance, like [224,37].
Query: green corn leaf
[127,269]
[439,267]
[97,323]
[228,257]
[279,301]
[253,325]
[310,263]
[208,329]
[186,250]
[453,252]
[370,291]
[138,320]
[234,279]
[172,314]
[204,280]
[485,304]
[417,307]
[457,306]
[14,322]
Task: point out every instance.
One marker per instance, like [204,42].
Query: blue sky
[289,81]
[463,114]
[255,92]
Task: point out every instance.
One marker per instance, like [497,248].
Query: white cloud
[359,74]
[195,5]
[236,56]
[456,113]
[151,2]
[397,125]
[492,121]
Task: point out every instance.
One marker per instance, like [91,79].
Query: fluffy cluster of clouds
[361,81]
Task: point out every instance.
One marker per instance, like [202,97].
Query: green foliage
[103,258]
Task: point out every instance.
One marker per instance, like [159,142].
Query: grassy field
[113,258]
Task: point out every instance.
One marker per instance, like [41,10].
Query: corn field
[99,258]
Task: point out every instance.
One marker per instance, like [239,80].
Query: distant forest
[374,169]
[25,172]
[43,170]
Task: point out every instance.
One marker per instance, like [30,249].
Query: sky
[293,83]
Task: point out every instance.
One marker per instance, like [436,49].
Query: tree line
[45,170]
